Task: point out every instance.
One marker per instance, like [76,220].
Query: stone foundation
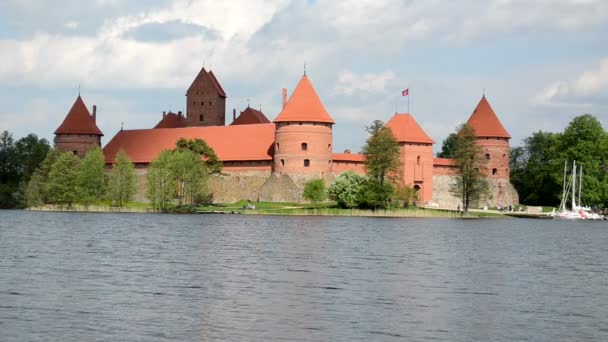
[500,193]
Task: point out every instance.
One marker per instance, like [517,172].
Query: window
[304,147]
[210,103]
[306,162]
[201,118]
[329,147]
[487,156]
[494,172]
[504,155]
[282,162]
[418,160]
[277,147]
[75,153]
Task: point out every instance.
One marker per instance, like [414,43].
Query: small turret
[78,133]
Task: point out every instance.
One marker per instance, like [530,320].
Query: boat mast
[580,185]
[574,185]
[564,195]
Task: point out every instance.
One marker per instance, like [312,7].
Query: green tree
[345,188]
[190,176]
[92,179]
[404,195]
[37,192]
[62,184]
[470,183]
[9,171]
[447,147]
[536,172]
[585,141]
[199,146]
[381,152]
[374,195]
[122,183]
[160,182]
[314,191]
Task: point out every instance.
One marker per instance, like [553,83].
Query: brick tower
[78,132]
[493,138]
[303,135]
[416,153]
[205,101]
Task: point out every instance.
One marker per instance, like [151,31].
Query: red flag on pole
[406,92]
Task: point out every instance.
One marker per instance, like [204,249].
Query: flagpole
[408,100]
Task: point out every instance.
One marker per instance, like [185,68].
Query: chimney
[164,113]
[233,114]
[94,115]
[179,113]
[284,97]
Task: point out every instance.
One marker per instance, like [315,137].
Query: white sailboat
[578,211]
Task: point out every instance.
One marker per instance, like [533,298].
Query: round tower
[493,138]
[303,135]
[78,133]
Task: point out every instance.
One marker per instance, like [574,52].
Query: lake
[160,277]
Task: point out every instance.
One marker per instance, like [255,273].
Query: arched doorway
[417,197]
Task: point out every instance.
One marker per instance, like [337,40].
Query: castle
[270,161]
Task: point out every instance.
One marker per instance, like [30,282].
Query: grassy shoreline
[277,209]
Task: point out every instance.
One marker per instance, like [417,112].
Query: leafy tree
[585,141]
[9,173]
[381,152]
[160,182]
[122,181]
[92,179]
[404,195]
[18,160]
[37,192]
[31,151]
[469,183]
[345,188]
[190,175]
[214,165]
[447,147]
[314,191]
[536,172]
[62,179]
[374,195]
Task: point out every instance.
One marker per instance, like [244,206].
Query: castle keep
[270,161]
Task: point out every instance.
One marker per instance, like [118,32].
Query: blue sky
[541,62]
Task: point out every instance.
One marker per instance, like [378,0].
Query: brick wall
[496,151]
[80,144]
[290,155]
[203,99]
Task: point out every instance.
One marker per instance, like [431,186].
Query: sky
[539,62]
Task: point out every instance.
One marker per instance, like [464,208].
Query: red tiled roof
[218,86]
[172,120]
[443,162]
[78,121]
[406,129]
[204,74]
[304,105]
[485,122]
[348,157]
[230,143]
[250,116]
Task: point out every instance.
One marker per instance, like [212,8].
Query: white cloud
[590,84]
[350,83]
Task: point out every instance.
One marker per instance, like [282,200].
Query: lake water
[148,277]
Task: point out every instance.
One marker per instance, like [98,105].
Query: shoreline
[395,213]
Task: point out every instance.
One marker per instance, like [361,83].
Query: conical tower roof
[485,122]
[78,121]
[304,105]
[406,129]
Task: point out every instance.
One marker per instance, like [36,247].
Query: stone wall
[237,186]
[500,193]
